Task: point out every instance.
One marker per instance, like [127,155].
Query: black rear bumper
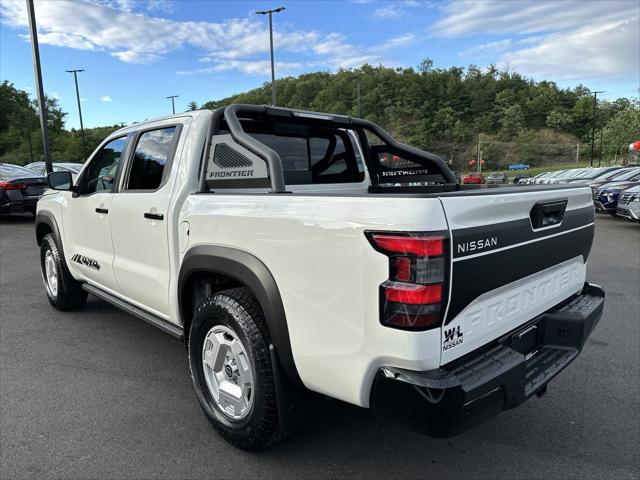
[466,392]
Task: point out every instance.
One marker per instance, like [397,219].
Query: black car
[20,189]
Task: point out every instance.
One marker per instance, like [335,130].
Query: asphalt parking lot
[100,394]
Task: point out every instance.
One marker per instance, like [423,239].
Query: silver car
[629,204]
[40,168]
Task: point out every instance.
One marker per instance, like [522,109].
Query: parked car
[519,166]
[293,269]
[521,178]
[629,204]
[534,179]
[567,175]
[20,189]
[594,174]
[473,177]
[40,168]
[625,174]
[605,198]
[497,177]
[544,178]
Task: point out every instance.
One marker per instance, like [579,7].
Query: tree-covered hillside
[448,110]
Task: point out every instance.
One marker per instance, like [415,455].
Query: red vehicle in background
[473,177]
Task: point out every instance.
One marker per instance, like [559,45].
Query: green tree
[559,120]
[622,129]
[512,122]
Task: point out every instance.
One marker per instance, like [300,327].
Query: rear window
[316,159]
[310,154]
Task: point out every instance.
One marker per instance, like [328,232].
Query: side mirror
[60,181]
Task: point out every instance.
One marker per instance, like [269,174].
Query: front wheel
[63,291]
[231,368]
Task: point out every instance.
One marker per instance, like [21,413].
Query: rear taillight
[414,296]
[11,186]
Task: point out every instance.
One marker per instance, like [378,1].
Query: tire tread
[247,313]
[70,296]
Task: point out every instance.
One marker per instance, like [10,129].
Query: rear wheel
[63,291]
[231,368]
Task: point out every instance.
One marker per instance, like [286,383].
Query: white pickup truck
[304,255]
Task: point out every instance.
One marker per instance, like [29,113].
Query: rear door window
[148,165]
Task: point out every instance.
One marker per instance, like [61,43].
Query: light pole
[273,73]
[593,123]
[173,103]
[601,142]
[42,107]
[75,78]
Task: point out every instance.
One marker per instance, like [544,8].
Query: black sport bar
[233,113]
[274,162]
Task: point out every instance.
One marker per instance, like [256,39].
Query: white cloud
[395,10]
[569,40]
[499,46]
[62,39]
[132,5]
[609,51]
[488,48]
[470,17]
[389,12]
[106,98]
[400,41]
[160,6]
[136,56]
[248,67]
[117,28]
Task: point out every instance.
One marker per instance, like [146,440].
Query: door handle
[547,214]
[103,211]
[154,216]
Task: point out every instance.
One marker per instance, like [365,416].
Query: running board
[165,326]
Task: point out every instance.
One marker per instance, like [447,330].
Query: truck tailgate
[513,256]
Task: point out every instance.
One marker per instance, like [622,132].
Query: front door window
[101,172]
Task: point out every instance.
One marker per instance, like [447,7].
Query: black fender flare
[47,218]
[250,271]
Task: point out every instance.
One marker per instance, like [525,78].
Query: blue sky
[136,53]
